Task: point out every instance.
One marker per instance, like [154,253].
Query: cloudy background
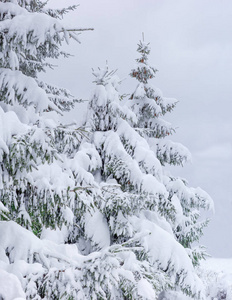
[191,46]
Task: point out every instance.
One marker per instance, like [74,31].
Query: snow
[156,91]
[127,249]
[217,274]
[142,152]
[51,178]
[139,91]
[80,166]
[9,126]
[10,287]
[23,245]
[174,295]
[38,24]
[24,88]
[170,152]
[163,248]
[58,236]
[100,95]
[179,188]
[212,270]
[179,211]
[205,197]
[3,208]
[145,290]
[158,220]
[26,116]
[218,265]
[96,228]
[114,149]
[88,158]
[11,9]
[18,241]
[55,236]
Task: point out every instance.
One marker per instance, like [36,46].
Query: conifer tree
[37,174]
[132,194]
[32,142]
[183,205]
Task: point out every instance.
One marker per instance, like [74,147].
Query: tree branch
[77,29]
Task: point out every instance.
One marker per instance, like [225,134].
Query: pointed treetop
[103,75]
[144,48]
[143,72]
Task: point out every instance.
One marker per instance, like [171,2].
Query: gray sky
[191,46]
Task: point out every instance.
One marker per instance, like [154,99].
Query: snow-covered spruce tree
[141,254]
[182,210]
[37,173]
[32,143]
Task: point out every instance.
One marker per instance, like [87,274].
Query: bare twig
[77,29]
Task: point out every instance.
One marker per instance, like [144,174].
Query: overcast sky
[191,46]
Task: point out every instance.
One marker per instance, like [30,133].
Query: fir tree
[32,144]
[148,103]
[183,205]
[36,151]
[132,194]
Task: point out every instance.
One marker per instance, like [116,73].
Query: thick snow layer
[9,126]
[24,88]
[55,236]
[139,91]
[100,95]
[23,248]
[142,152]
[26,116]
[163,248]
[158,220]
[114,149]
[10,287]
[88,158]
[39,25]
[11,9]
[22,244]
[51,177]
[179,211]
[19,241]
[96,228]
[82,163]
[145,289]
